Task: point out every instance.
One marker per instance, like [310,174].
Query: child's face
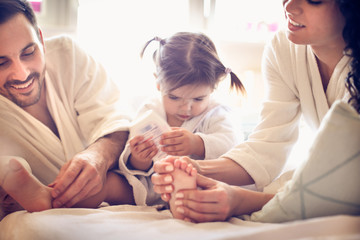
[186,102]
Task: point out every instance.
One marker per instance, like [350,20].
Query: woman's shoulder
[279,42]
[281,50]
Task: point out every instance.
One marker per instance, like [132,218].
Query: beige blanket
[136,222]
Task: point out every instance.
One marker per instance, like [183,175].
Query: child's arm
[215,135]
[181,142]
[142,153]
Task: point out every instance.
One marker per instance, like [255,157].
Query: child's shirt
[215,126]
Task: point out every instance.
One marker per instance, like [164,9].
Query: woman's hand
[218,201]
[215,201]
[181,142]
[212,201]
[142,152]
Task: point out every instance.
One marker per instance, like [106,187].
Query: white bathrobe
[214,126]
[82,101]
[294,89]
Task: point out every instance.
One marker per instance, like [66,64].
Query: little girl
[188,70]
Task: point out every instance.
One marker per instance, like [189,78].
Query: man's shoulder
[59,42]
[59,53]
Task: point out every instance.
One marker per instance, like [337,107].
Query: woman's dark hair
[9,8]
[351,34]
[189,58]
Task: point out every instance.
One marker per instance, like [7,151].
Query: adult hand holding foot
[85,174]
[212,200]
[307,67]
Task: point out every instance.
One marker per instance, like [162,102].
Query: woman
[304,67]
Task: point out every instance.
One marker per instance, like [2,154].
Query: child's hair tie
[228,70]
[159,39]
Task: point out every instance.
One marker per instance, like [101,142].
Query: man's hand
[85,174]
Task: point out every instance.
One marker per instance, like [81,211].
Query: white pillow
[328,183]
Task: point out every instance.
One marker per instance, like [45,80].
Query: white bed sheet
[137,222]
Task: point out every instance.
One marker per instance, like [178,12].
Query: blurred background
[114,32]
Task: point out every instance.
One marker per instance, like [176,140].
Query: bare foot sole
[22,186]
[184,178]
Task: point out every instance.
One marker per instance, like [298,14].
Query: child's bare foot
[22,186]
[184,176]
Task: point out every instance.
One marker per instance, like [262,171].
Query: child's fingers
[153,152]
[170,138]
[175,150]
[144,147]
[136,140]
[146,154]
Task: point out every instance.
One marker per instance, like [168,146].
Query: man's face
[22,62]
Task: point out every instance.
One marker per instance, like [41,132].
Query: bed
[140,222]
[342,125]
[144,222]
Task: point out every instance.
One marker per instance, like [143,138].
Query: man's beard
[22,100]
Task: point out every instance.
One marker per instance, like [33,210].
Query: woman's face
[314,22]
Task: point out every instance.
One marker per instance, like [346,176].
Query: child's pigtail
[235,81]
[160,40]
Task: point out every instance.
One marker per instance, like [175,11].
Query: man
[57,108]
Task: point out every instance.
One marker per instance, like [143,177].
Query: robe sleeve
[264,154]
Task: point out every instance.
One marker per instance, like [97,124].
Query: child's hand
[142,152]
[181,142]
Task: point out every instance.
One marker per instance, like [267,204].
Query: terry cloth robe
[82,101]
[294,89]
[214,126]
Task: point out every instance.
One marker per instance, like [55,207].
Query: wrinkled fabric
[294,89]
[82,101]
[214,126]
